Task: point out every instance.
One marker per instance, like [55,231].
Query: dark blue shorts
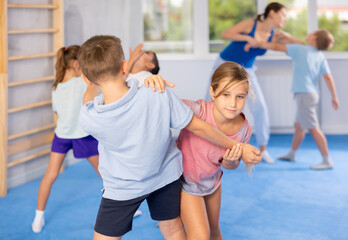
[115,218]
[82,147]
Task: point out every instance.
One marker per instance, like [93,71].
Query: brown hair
[275,6]
[232,71]
[65,56]
[156,69]
[101,56]
[324,39]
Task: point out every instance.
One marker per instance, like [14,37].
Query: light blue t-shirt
[308,65]
[137,154]
[67,101]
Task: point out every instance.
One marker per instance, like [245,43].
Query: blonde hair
[325,40]
[232,71]
[64,57]
[101,56]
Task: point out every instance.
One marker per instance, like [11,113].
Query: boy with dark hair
[309,63]
[144,65]
[138,157]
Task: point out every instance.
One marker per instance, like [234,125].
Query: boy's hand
[335,103]
[251,155]
[158,81]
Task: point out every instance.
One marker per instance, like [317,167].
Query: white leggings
[257,106]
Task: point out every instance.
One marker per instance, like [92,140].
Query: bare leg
[213,203]
[320,141]
[298,137]
[52,172]
[172,229]
[194,216]
[94,161]
[98,236]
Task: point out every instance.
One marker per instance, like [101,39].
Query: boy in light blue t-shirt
[309,64]
[138,158]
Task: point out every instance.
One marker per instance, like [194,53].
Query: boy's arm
[331,85]
[90,94]
[250,154]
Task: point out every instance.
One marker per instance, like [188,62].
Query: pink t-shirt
[202,170]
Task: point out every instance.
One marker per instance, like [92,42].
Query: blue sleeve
[292,50]
[180,114]
[324,68]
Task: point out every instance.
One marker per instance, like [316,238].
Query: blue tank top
[234,52]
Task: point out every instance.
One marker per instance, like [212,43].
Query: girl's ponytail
[60,67]
[64,57]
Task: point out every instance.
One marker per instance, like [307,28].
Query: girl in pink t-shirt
[202,160]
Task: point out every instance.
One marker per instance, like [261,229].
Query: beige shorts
[306,113]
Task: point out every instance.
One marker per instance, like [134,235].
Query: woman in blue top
[249,31]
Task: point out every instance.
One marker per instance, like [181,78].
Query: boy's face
[311,38]
[145,61]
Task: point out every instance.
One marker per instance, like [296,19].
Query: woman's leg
[259,110]
[213,203]
[194,216]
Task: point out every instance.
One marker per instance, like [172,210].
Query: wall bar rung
[32,142]
[36,80]
[23,31]
[40,55]
[45,6]
[32,131]
[30,106]
[28,158]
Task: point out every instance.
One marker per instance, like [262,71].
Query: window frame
[201,34]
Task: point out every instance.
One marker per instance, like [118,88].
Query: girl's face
[279,18]
[231,102]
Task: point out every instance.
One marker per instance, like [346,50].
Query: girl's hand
[233,154]
[158,81]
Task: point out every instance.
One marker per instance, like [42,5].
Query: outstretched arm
[285,37]
[239,32]
[331,85]
[251,155]
[266,45]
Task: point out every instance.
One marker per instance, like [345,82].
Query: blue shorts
[115,218]
[82,147]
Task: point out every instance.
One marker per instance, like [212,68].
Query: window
[224,14]
[296,23]
[194,27]
[333,16]
[168,25]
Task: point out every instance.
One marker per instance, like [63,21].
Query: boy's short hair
[156,69]
[324,39]
[101,56]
